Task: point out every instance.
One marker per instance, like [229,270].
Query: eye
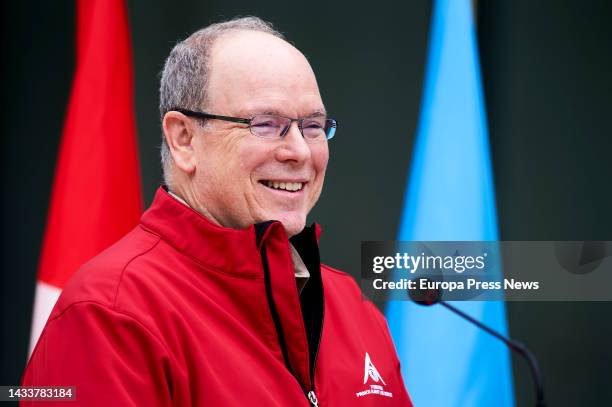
[263,124]
[313,124]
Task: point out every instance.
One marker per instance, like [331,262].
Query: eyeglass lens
[271,127]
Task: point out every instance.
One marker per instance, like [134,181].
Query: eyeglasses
[272,127]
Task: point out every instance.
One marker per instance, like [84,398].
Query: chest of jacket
[250,338]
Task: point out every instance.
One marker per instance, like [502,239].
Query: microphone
[433,296]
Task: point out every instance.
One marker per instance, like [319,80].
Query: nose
[292,146]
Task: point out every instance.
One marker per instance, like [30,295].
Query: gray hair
[185,75]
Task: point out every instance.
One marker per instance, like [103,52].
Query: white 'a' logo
[370,371]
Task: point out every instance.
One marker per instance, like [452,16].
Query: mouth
[288,186]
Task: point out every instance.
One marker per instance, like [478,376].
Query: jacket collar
[232,251]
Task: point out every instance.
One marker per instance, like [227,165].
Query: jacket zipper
[310,395]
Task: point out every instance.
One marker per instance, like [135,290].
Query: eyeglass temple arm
[203,115]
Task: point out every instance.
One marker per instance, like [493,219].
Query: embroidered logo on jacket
[371,374]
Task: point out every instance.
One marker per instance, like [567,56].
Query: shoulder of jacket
[344,284]
[339,277]
[99,279]
[329,269]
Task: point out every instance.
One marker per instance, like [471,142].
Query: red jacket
[183,312]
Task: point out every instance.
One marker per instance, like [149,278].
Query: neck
[187,196]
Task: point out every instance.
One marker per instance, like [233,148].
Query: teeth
[287,186]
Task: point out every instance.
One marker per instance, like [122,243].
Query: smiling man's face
[239,177]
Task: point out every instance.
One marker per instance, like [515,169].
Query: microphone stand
[516,346]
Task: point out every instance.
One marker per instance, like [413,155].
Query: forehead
[251,72]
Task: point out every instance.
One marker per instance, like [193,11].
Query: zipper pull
[312,397]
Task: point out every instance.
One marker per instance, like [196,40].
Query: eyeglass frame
[333,123]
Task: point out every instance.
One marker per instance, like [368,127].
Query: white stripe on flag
[44,299]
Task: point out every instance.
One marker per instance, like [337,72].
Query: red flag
[96,195]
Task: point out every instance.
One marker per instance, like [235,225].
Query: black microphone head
[580,257]
[424,296]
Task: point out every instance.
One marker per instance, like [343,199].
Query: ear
[179,131]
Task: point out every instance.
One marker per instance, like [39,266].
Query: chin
[293,226]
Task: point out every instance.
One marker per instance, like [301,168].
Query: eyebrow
[253,112]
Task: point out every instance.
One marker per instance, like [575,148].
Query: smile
[286,186]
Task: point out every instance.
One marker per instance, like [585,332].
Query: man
[218,297]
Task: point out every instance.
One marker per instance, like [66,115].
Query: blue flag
[447,362]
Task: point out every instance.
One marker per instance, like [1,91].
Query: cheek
[245,167]
[252,158]
[230,160]
[219,174]
[320,157]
